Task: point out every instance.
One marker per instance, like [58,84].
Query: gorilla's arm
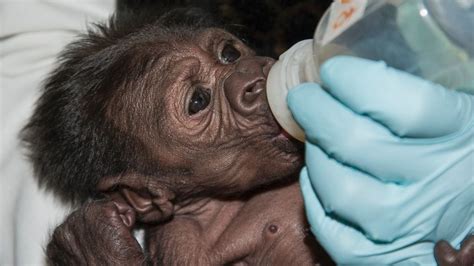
[448,256]
[160,111]
[99,233]
[267,228]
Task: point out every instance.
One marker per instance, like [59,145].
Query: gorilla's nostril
[253,91]
[245,87]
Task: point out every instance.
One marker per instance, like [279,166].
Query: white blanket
[32,33]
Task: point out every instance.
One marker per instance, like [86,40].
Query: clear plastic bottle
[433,39]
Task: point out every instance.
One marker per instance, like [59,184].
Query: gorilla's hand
[446,255]
[99,233]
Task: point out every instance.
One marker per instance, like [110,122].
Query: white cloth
[32,33]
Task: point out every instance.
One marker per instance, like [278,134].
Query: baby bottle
[432,39]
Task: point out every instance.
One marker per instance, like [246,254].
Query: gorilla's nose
[245,87]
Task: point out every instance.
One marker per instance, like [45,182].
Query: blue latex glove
[389,162]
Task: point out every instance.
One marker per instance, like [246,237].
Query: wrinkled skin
[207,232]
[227,147]
[203,176]
[267,229]
[235,137]
[99,233]
[232,232]
[215,161]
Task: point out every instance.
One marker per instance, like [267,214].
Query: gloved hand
[389,162]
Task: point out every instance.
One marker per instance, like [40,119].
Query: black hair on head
[70,141]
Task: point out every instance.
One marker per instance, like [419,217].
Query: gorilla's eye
[199,100]
[229,54]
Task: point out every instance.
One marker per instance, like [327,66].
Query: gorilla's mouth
[281,139]
[285,134]
[287,143]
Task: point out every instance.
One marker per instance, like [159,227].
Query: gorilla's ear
[152,201]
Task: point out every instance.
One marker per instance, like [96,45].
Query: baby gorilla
[165,123]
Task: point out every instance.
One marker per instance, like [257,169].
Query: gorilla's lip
[287,145]
[285,141]
[285,134]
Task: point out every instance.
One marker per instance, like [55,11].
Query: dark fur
[70,141]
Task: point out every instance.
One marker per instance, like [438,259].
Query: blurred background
[268,26]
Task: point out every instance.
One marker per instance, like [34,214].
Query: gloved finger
[339,240]
[353,139]
[348,246]
[314,210]
[409,106]
[355,197]
[330,234]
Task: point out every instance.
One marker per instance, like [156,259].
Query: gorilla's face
[215,123]
[173,100]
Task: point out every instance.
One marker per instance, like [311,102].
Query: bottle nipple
[295,66]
